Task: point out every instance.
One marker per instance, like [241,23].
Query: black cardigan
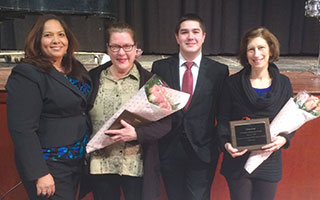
[240,100]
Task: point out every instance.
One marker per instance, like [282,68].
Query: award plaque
[250,134]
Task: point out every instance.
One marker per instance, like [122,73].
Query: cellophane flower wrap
[154,101]
[296,112]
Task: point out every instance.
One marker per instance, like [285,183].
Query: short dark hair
[264,33]
[33,50]
[192,17]
[118,27]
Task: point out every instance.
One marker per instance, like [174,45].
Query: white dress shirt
[195,69]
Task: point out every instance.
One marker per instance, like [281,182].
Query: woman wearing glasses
[132,162]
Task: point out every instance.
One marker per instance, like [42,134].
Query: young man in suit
[189,153]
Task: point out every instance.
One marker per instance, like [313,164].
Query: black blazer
[148,136]
[43,111]
[198,122]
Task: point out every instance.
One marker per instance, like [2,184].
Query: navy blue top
[262,92]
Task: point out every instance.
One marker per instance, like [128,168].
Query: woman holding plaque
[132,162]
[257,91]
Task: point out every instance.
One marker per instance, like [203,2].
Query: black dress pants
[185,176]
[107,186]
[66,175]
[251,189]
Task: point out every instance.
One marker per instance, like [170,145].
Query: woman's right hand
[233,151]
[45,186]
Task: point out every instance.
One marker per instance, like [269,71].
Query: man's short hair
[192,17]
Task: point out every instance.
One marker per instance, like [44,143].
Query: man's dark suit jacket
[198,122]
[43,111]
[148,136]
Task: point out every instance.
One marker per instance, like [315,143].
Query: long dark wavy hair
[34,54]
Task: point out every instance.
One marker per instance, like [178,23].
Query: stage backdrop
[154,22]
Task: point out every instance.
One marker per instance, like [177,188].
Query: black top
[240,100]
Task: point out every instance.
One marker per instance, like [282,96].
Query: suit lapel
[200,81]
[174,67]
[175,78]
[61,79]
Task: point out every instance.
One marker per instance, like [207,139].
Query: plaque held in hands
[250,134]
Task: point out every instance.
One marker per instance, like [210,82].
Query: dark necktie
[187,82]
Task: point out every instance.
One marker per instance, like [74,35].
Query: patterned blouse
[122,158]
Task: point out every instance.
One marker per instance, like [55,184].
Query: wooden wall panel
[8,172]
[301,165]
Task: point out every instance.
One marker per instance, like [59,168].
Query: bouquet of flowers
[297,111]
[156,91]
[308,103]
[154,101]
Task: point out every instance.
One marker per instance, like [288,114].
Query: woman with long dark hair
[46,110]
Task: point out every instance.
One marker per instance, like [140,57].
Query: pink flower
[165,104]
[158,97]
[311,103]
[301,98]
[157,89]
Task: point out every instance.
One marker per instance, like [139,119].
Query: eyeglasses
[126,48]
